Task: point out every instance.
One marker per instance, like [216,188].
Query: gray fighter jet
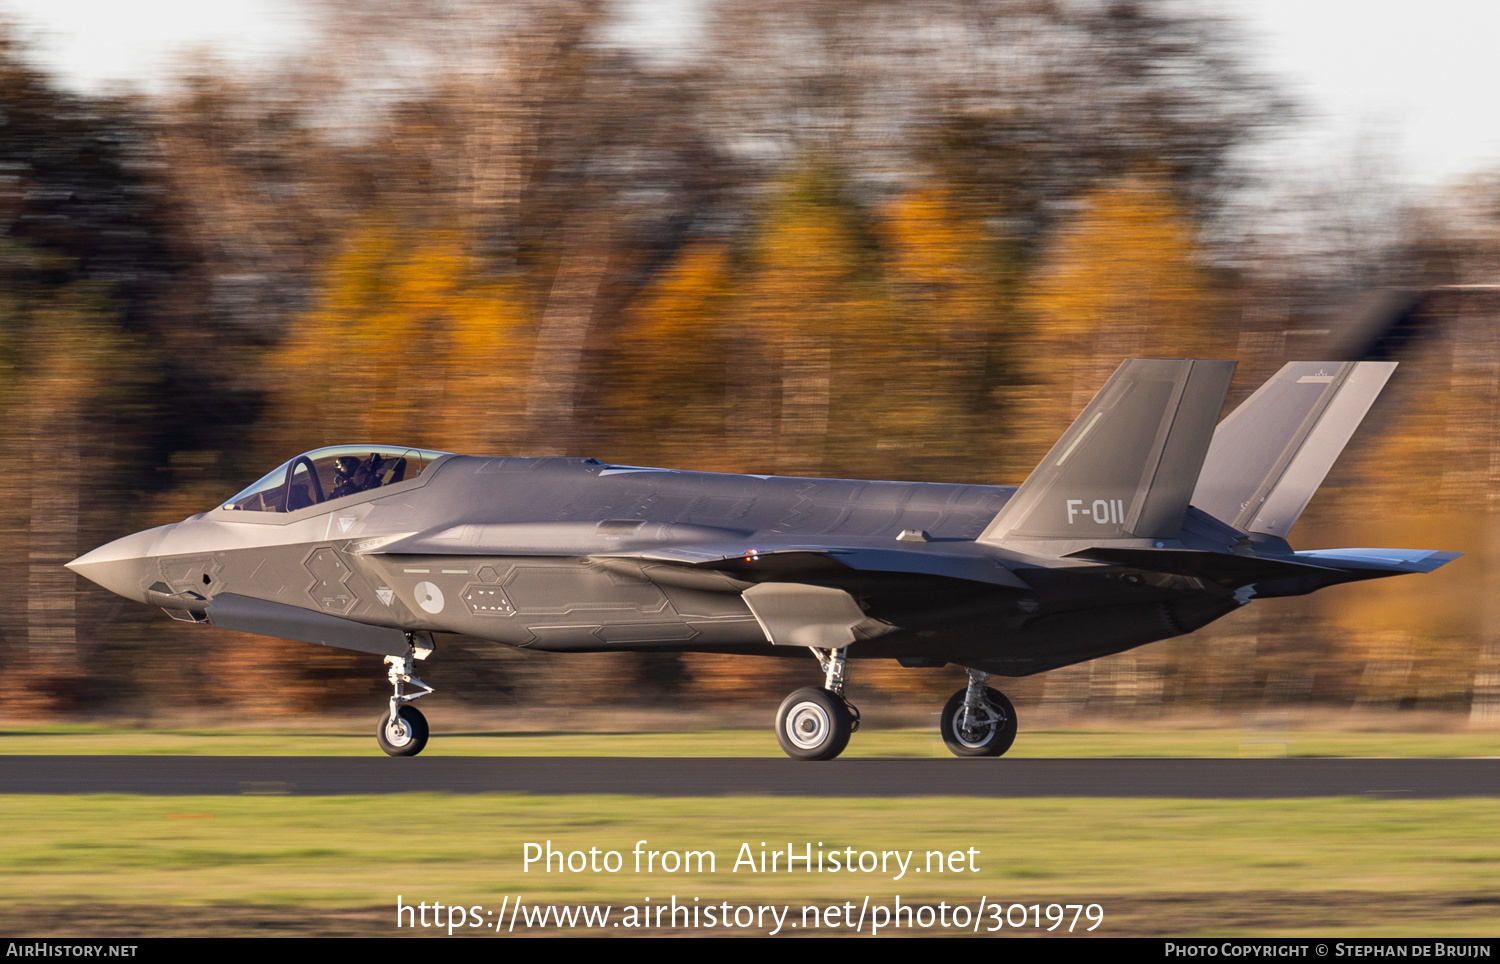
[1145,521]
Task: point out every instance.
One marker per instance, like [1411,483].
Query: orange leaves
[674,329]
[927,240]
[671,361]
[807,249]
[835,341]
[838,339]
[1121,279]
[409,343]
[1125,269]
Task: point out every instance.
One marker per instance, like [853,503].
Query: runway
[722,776]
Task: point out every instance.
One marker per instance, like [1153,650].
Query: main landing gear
[815,724]
[978,721]
[403,729]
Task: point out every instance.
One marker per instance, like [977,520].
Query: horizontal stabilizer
[1216,566]
[1281,575]
[1386,560]
[1271,454]
[1128,464]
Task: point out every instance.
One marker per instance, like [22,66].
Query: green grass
[1215,740]
[118,865]
[1328,866]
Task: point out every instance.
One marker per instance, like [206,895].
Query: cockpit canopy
[335,472]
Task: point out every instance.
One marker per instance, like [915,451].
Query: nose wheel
[403,729]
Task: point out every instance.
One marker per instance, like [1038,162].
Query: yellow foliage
[804,258]
[946,325]
[671,362]
[1122,279]
[824,348]
[929,243]
[409,343]
[1126,265]
[806,306]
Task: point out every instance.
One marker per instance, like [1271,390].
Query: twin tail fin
[1127,466]
[1146,447]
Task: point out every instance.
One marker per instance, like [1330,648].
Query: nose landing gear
[403,729]
[405,735]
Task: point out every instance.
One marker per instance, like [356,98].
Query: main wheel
[406,735]
[813,724]
[989,731]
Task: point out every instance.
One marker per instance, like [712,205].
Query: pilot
[344,468]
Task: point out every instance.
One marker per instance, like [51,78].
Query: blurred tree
[804,296]
[408,342]
[1021,104]
[1454,237]
[950,329]
[671,370]
[85,266]
[71,377]
[1022,111]
[907,300]
[1122,278]
[261,197]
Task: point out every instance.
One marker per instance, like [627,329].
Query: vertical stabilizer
[1271,454]
[1128,464]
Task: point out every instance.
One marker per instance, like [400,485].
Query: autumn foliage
[908,243]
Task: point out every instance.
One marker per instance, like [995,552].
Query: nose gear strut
[403,729]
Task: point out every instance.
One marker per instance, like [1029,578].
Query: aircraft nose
[125,566]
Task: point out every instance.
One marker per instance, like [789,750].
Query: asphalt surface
[1190,778]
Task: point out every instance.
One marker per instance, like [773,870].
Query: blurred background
[881,240]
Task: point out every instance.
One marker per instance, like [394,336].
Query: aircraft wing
[549,538]
[792,589]
[957,562]
[702,547]
[1280,575]
[1214,566]
[1390,561]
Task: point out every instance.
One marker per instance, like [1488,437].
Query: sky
[90,45]
[1410,81]
[1402,83]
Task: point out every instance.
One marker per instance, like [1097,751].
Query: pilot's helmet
[345,465]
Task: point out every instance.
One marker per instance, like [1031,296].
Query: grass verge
[686,737]
[328,865]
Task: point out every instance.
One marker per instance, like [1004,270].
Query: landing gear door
[795,614]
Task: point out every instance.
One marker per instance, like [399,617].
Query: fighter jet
[1144,521]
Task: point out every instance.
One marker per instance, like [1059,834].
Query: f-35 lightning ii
[1143,522]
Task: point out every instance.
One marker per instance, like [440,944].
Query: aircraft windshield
[332,473]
